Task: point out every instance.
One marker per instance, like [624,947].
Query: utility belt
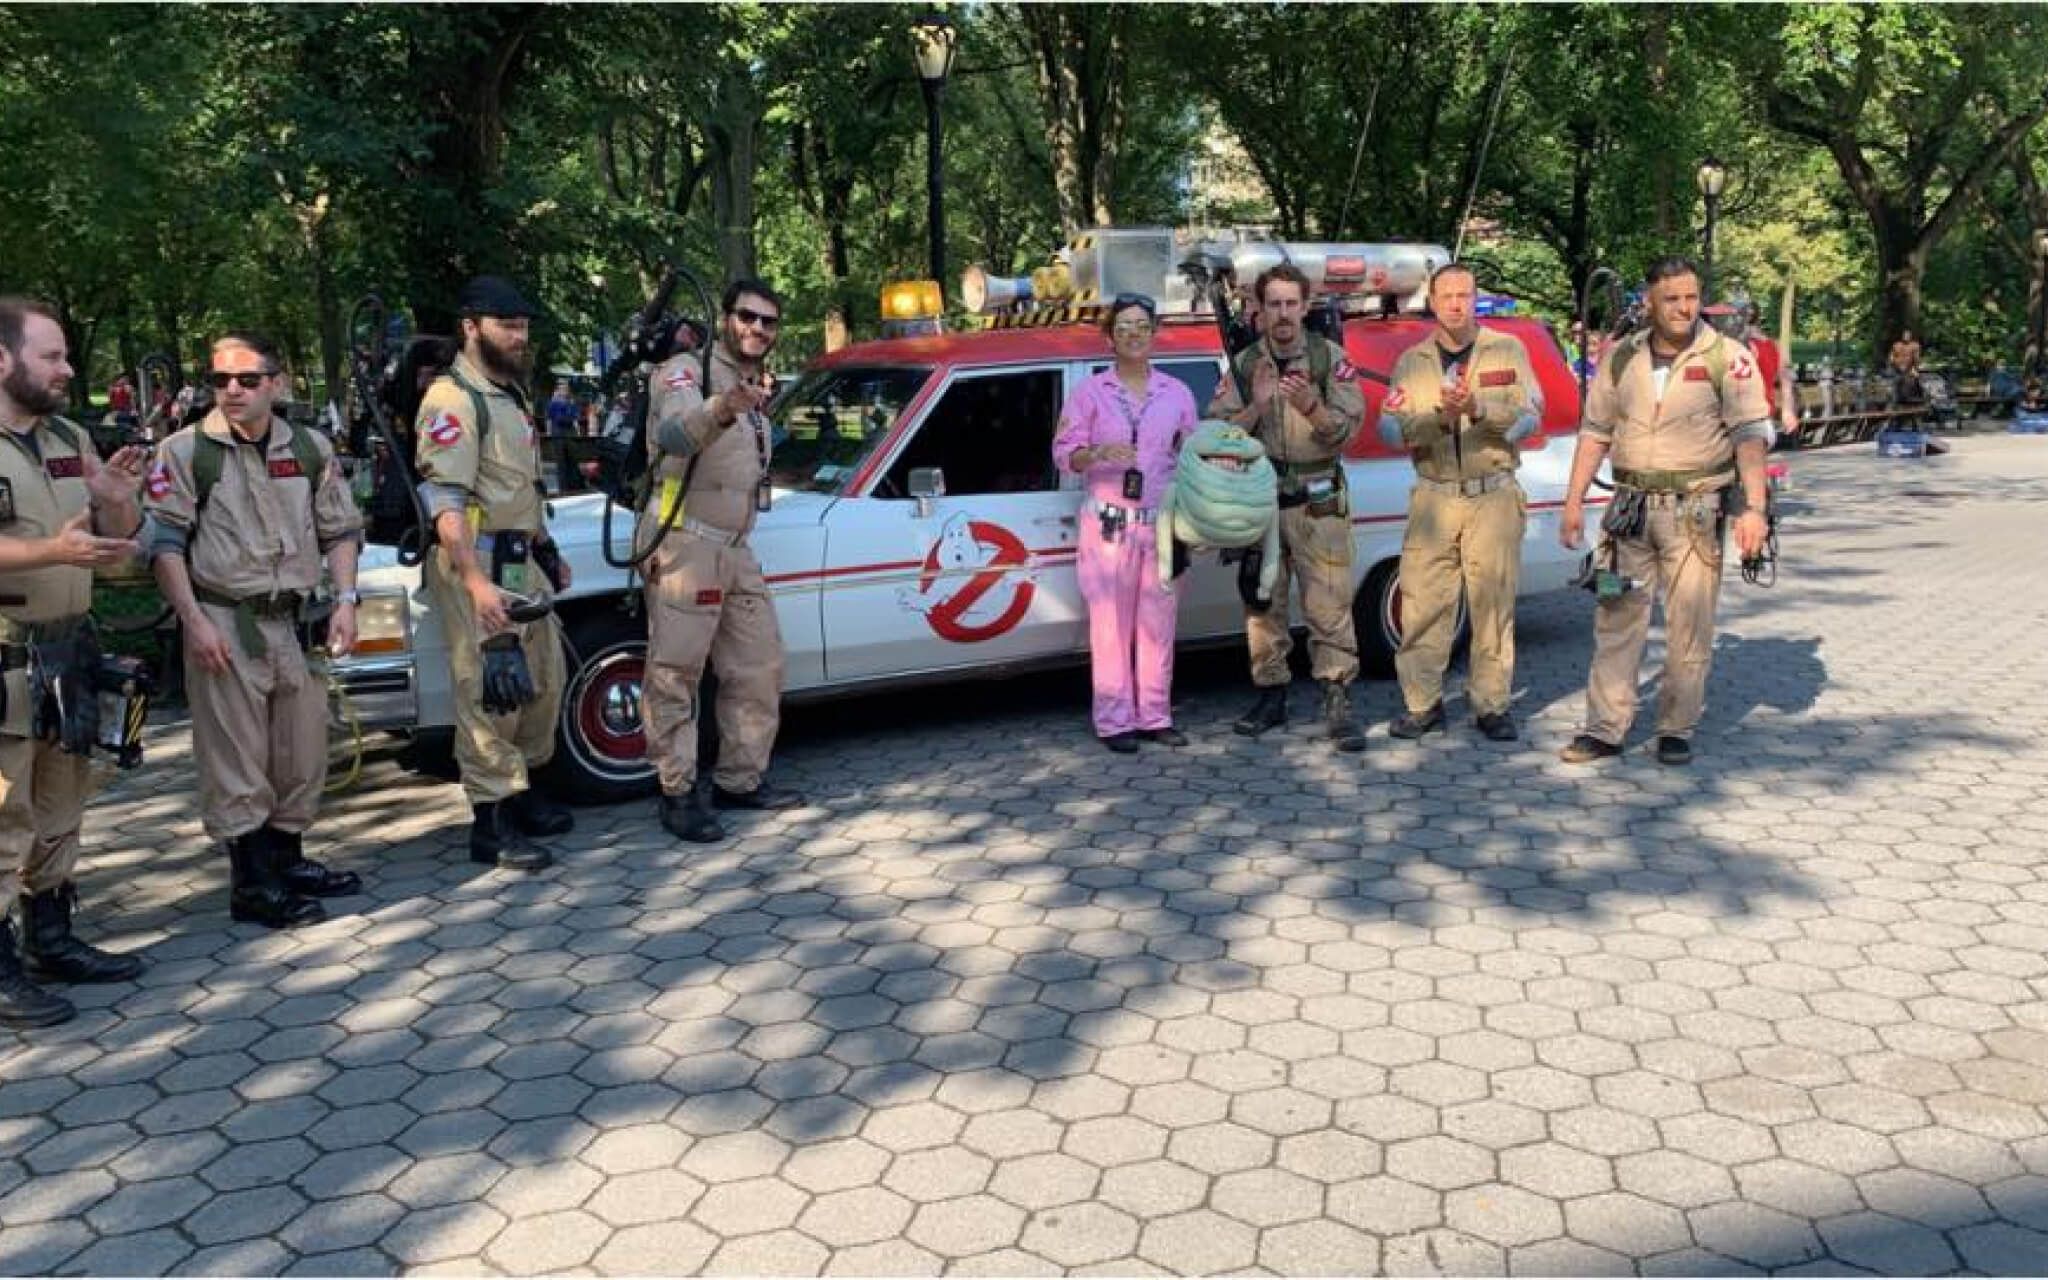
[78,697]
[1319,486]
[282,606]
[517,560]
[1671,481]
[1116,519]
[707,532]
[1467,488]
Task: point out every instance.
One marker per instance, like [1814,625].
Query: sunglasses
[249,381]
[749,316]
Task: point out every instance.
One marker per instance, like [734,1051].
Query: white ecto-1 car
[877,585]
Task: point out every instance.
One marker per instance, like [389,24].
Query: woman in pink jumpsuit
[1122,429]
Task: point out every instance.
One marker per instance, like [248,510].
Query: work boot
[1345,734]
[689,817]
[50,952]
[23,1004]
[1672,749]
[1411,726]
[1124,744]
[256,890]
[1499,726]
[762,797]
[495,842]
[1586,748]
[301,874]
[534,814]
[1268,712]
[1167,737]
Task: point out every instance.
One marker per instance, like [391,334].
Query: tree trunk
[1663,163]
[731,136]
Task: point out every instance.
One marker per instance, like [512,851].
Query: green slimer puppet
[1224,495]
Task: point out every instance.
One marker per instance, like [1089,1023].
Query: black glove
[547,557]
[71,702]
[508,682]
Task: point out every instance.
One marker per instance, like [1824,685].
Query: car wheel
[1376,616]
[601,741]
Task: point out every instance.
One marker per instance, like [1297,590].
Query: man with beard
[1305,407]
[705,595]
[479,467]
[245,506]
[1680,410]
[62,515]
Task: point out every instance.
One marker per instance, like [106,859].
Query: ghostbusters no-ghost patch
[445,429]
[1397,400]
[1742,367]
[159,482]
[684,376]
[1345,371]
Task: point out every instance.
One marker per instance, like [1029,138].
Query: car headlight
[383,624]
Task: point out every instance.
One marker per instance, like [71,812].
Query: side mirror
[927,484]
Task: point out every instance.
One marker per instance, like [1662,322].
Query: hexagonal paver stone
[145,1253]
[1199,1242]
[447,1179]
[1385,1206]
[749,1206]
[257,1164]
[861,1215]
[966,1226]
[543,1188]
[1266,1197]
[651,1195]
[1504,1215]
[659,1248]
[347,1223]
[773,1253]
[1153,1188]
[1627,1224]
[1755,1234]
[239,1258]
[1077,1235]
[239,1215]
[451,1231]
[1321,1248]
[1886,1245]
[2000,1248]
[38,1247]
[928,1176]
[550,1242]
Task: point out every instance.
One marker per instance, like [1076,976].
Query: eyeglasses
[1131,328]
[749,316]
[248,381]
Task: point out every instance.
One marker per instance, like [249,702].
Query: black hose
[649,340]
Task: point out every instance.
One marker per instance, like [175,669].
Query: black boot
[1345,735]
[689,817]
[301,874]
[494,842]
[1269,712]
[257,895]
[50,952]
[535,815]
[23,1004]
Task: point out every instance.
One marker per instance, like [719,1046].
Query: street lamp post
[1711,177]
[933,39]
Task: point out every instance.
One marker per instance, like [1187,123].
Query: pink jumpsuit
[1130,615]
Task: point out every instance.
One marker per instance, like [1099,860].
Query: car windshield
[827,423]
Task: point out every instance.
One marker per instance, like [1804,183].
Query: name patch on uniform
[445,430]
[1696,373]
[710,595]
[6,502]
[65,468]
[285,469]
[159,482]
[1498,378]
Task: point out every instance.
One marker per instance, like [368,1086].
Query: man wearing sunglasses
[63,515]
[479,468]
[246,506]
[706,601]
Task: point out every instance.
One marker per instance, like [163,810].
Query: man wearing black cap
[493,575]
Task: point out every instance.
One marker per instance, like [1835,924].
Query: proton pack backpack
[391,515]
[209,456]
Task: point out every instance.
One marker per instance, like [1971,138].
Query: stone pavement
[1002,1003]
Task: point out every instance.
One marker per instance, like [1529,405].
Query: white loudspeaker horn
[984,293]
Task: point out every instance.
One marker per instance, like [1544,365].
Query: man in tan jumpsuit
[58,506]
[244,505]
[479,468]
[1305,407]
[1681,409]
[1462,400]
[705,596]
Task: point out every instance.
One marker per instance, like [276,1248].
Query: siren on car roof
[1097,264]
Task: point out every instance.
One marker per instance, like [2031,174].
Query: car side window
[1200,374]
[988,434]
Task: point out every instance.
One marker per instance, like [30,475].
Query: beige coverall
[259,731]
[1672,434]
[706,599]
[1316,549]
[1465,517]
[499,471]
[43,789]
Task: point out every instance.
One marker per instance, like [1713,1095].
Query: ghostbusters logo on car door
[977,582]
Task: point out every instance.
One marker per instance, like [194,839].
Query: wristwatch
[349,597]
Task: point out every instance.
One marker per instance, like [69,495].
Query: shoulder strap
[306,450]
[1715,358]
[477,405]
[64,429]
[208,457]
[1623,353]
[1322,357]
